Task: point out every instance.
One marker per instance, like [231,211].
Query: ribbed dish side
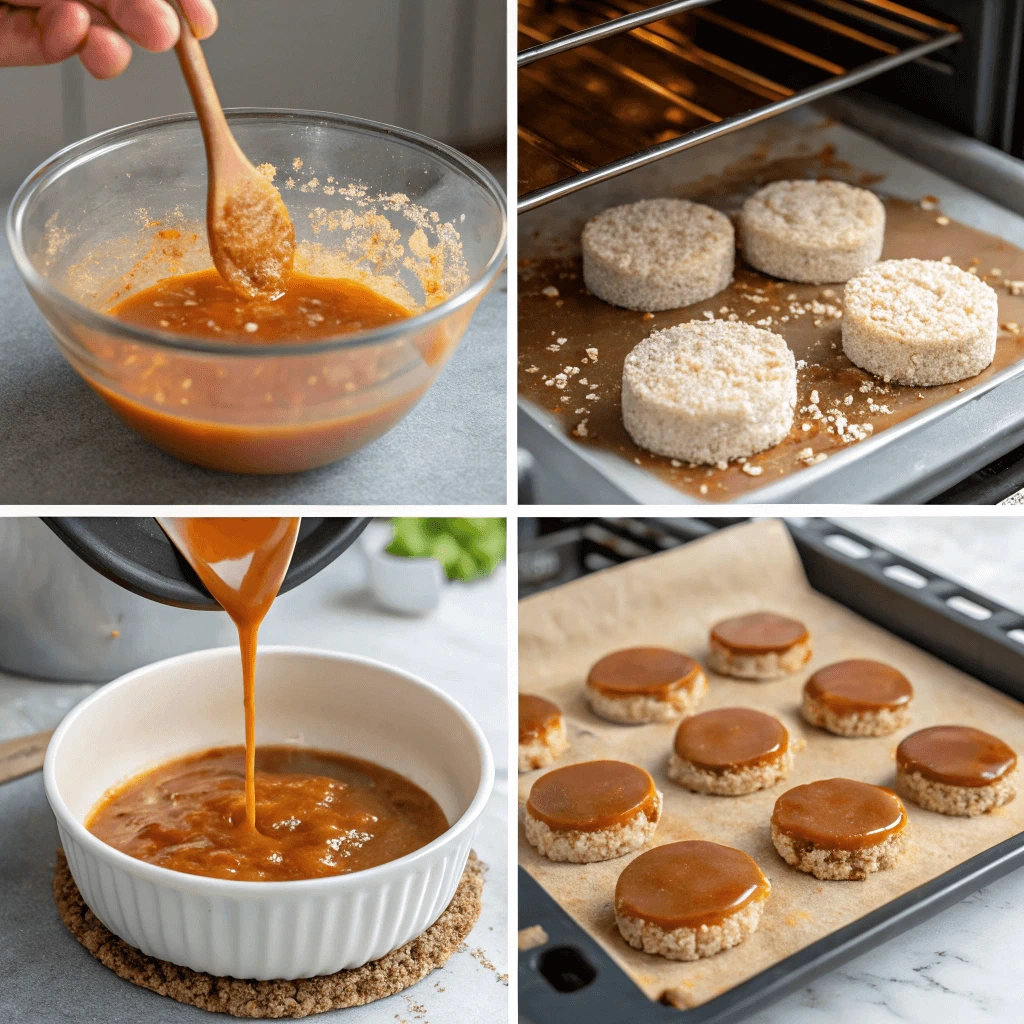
[293,936]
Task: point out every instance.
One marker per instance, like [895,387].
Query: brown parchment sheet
[673,599]
[561,326]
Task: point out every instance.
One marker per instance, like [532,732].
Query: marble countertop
[461,647]
[964,964]
[59,443]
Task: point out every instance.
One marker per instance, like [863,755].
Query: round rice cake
[839,829]
[645,684]
[858,697]
[658,254]
[708,392]
[818,232]
[920,322]
[542,735]
[592,811]
[689,900]
[956,770]
[730,752]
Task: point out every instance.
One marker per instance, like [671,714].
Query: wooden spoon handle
[23,755]
[216,133]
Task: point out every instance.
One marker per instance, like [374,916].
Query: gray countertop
[461,647]
[59,443]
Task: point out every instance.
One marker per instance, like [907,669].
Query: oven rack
[606,86]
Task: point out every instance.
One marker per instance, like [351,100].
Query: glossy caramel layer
[840,814]
[592,796]
[956,755]
[647,671]
[689,884]
[317,814]
[759,633]
[859,686]
[731,738]
[536,716]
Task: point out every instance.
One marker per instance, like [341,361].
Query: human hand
[49,31]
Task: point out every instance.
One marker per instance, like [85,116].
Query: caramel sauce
[286,414]
[536,716]
[317,814]
[592,796]
[689,884]
[242,563]
[859,685]
[840,814]
[556,331]
[956,755]
[202,305]
[759,633]
[652,671]
[728,738]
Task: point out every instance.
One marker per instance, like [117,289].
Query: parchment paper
[673,599]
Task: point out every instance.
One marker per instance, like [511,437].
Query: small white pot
[412,586]
[318,699]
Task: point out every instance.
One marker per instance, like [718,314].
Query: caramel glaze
[859,686]
[759,633]
[592,796]
[318,814]
[649,671]
[689,884]
[956,755]
[839,814]
[536,716]
[728,738]
[203,305]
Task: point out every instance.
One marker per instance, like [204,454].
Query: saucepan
[116,595]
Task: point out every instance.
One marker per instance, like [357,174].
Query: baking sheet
[722,173]
[673,599]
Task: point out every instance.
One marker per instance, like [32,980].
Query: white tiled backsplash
[435,66]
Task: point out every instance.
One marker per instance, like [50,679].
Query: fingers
[64,26]
[106,53]
[201,15]
[152,24]
[49,31]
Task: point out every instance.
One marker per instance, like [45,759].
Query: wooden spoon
[23,755]
[252,240]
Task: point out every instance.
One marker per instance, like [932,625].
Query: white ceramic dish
[313,698]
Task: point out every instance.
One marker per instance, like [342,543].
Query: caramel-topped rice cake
[689,900]
[759,646]
[730,752]
[839,829]
[956,770]
[591,811]
[645,684]
[858,697]
[542,734]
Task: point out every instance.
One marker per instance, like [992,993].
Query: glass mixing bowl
[119,211]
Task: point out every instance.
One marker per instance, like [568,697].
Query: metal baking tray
[572,980]
[909,462]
